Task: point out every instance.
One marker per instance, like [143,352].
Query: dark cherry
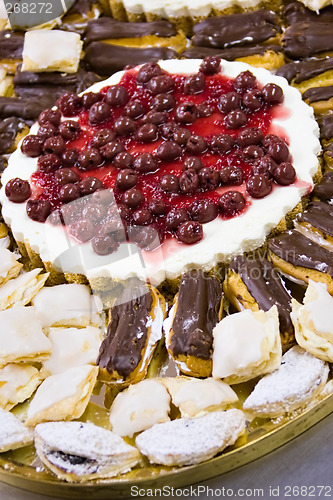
[111,150]
[245,80]
[116,96]
[90,98]
[147,72]
[50,115]
[163,102]
[47,130]
[112,225]
[209,178]
[32,146]
[99,112]
[134,109]
[102,137]
[160,84]
[69,130]
[222,143]
[94,211]
[193,163]
[124,212]
[83,230]
[124,126]
[211,65]
[251,153]
[231,203]
[147,133]
[270,139]
[236,119]
[66,176]
[231,175]
[70,156]
[146,237]
[284,173]
[229,102]
[190,232]
[265,164]
[123,160]
[133,197]
[89,185]
[103,197]
[272,94]
[104,244]
[203,210]
[249,136]
[189,181]
[170,183]
[196,145]
[155,117]
[252,100]
[204,110]
[54,145]
[175,217]
[142,217]
[69,192]
[126,179]
[181,136]
[89,159]
[69,104]
[168,151]
[186,112]
[194,84]
[18,190]
[167,130]
[258,186]
[48,163]
[158,207]
[144,163]
[38,210]
[278,151]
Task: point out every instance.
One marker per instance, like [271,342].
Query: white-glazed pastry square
[20,291]
[17,383]
[13,433]
[9,266]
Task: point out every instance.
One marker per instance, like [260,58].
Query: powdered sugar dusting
[13,433]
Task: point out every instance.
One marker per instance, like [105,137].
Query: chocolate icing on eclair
[298,250]
[197,313]
[320,216]
[265,285]
[11,44]
[9,128]
[107,28]
[105,59]
[304,70]
[229,54]
[316,94]
[306,39]
[236,29]
[25,108]
[324,190]
[121,350]
[297,12]
[326,127]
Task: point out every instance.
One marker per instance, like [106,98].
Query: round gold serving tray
[262,436]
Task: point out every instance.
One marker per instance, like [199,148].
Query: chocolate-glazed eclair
[324,190]
[196,311]
[313,72]
[255,284]
[11,47]
[320,98]
[12,130]
[316,223]
[78,16]
[295,12]
[105,59]
[326,127]
[306,39]
[300,259]
[328,157]
[133,333]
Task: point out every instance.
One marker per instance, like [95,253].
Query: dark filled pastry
[324,190]
[12,130]
[11,47]
[316,223]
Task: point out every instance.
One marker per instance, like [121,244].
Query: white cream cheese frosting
[240,234]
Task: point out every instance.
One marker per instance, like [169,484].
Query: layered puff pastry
[313,321]
[62,397]
[17,383]
[20,291]
[77,451]
[13,433]
[299,379]
[9,266]
[259,332]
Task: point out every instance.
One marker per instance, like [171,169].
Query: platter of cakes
[166,265]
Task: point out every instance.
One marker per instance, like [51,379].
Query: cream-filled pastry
[72,305]
[196,396]
[72,347]
[313,321]
[22,337]
[17,383]
[9,266]
[299,379]
[187,441]
[13,433]
[139,407]
[77,451]
[246,344]
[21,290]
[63,396]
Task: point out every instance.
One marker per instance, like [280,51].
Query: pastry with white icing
[246,344]
[21,336]
[313,321]
[299,379]
[17,383]
[139,407]
[9,266]
[195,396]
[20,291]
[77,451]
[187,441]
[64,396]
[13,433]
